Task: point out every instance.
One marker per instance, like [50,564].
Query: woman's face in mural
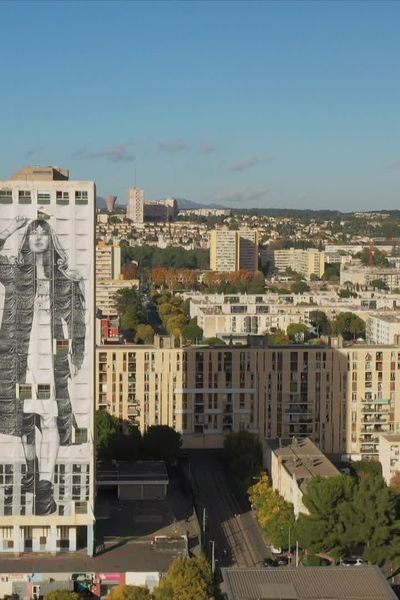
[38,240]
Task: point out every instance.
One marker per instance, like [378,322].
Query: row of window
[25,197]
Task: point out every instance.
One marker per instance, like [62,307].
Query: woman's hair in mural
[55,258]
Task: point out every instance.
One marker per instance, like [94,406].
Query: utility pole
[212,542]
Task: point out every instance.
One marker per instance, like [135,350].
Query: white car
[353,562]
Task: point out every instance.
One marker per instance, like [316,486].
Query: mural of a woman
[42,339]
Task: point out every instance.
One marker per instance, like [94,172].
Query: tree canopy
[349,325]
[129,592]
[150,257]
[320,321]
[62,595]
[299,287]
[187,579]
[116,438]
[243,453]
[349,515]
[161,442]
[274,514]
[297,332]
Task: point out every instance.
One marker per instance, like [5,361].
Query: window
[5,196]
[24,391]
[62,347]
[43,392]
[80,508]
[43,197]
[62,197]
[81,436]
[81,197]
[24,197]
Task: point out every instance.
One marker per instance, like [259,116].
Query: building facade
[306,262]
[135,208]
[46,362]
[383,328]
[389,455]
[292,464]
[343,398]
[231,250]
[108,261]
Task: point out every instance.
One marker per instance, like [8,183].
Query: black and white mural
[44,462]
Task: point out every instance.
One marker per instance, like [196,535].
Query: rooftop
[40,173]
[135,472]
[132,556]
[302,459]
[307,583]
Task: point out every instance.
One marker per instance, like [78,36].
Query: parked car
[353,561]
[282,560]
[270,562]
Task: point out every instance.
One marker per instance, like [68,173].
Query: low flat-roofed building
[292,463]
[311,583]
[140,480]
[389,455]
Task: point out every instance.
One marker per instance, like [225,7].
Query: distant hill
[184,204]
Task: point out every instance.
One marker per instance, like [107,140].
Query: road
[230,522]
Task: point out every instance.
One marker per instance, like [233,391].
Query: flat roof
[133,556]
[301,458]
[139,471]
[307,583]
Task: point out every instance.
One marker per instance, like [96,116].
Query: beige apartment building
[108,261]
[291,464]
[306,262]
[389,455]
[342,398]
[232,250]
[135,208]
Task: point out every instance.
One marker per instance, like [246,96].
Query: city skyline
[242,104]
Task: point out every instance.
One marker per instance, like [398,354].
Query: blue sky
[269,104]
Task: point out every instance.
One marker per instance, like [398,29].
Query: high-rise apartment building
[248,249]
[135,208]
[232,250]
[306,262]
[343,398]
[108,261]
[46,362]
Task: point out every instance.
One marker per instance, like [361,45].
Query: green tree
[331,273]
[161,442]
[243,453]
[320,321]
[379,284]
[297,332]
[279,337]
[349,325]
[144,333]
[214,341]
[374,519]
[274,514]
[328,501]
[116,438]
[62,595]
[192,332]
[187,579]
[299,287]
[379,257]
[129,592]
